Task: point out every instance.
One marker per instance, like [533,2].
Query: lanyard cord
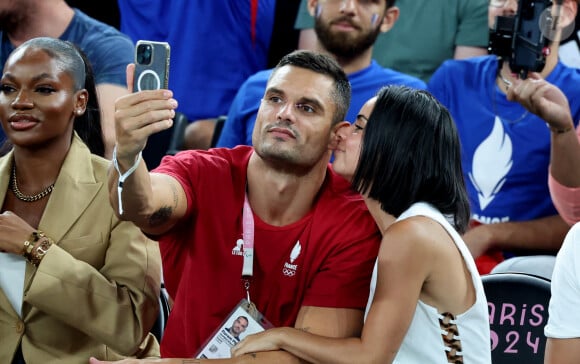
[248,246]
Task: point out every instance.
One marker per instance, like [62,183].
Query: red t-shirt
[325,259]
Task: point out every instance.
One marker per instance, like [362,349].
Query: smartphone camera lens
[144,53]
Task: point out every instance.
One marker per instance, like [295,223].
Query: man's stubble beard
[285,161]
[270,151]
[343,45]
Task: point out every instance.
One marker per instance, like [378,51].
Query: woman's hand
[265,341]
[13,233]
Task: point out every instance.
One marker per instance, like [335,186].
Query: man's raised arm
[154,202]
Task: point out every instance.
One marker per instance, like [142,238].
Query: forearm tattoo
[175,198]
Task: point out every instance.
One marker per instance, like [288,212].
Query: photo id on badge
[244,320]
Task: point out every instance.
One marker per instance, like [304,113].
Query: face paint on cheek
[318,11]
[374,19]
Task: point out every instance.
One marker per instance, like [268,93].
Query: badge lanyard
[248,246]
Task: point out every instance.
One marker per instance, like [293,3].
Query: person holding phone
[312,240]
[427,303]
[75,281]
[507,148]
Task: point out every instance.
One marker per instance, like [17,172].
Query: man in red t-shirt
[314,242]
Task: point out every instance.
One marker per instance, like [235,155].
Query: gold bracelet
[27,248]
[40,251]
[561,131]
[29,244]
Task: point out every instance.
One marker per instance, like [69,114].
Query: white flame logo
[492,161]
[295,252]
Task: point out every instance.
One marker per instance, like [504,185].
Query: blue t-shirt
[108,50]
[215,46]
[365,84]
[506,150]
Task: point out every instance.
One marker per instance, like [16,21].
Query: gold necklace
[26,198]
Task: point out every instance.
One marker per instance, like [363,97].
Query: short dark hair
[411,153]
[392,3]
[325,65]
[88,125]
[76,64]
[65,52]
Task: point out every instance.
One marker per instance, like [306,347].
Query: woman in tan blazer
[75,281]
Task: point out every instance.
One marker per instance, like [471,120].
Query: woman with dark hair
[75,281]
[427,303]
[87,124]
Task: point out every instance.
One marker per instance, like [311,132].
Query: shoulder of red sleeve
[215,156]
[342,206]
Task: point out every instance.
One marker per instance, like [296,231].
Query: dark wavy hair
[77,65]
[411,153]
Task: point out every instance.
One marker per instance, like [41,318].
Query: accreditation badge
[244,320]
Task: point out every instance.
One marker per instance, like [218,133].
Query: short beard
[341,45]
[284,161]
[10,20]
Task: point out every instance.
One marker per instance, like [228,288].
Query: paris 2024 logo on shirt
[290,268]
[491,163]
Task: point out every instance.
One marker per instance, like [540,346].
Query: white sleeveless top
[424,341]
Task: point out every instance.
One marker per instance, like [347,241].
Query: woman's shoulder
[414,235]
[417,238]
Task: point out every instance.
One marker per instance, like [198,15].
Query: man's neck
[281,198]
[48,18]
[351,65]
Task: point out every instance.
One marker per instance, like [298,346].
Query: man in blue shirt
[347,30]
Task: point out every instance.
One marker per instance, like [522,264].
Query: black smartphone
[151,65]
[529,41]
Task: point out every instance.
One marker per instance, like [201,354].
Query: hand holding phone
[151,65]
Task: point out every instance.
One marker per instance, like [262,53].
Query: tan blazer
[96,291]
